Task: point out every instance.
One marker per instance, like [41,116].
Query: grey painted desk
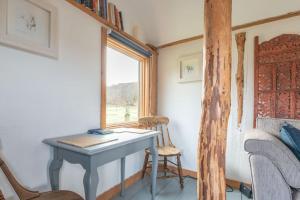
[92,157]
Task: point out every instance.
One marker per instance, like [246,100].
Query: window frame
[107,41]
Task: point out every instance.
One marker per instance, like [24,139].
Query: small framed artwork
[29,25]
[190,68]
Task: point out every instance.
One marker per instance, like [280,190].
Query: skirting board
[232,183]
[114,191]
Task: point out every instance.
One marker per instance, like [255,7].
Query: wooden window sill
[123,125]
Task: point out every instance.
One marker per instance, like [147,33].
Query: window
[122,87]
[125,87]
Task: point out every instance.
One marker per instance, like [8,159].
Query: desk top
[123,139]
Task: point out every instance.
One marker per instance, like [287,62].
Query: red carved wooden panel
[297,111]
[277,77]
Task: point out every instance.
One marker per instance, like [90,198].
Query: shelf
[106,23]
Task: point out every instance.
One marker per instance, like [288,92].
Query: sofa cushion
[291,137]
[273,125]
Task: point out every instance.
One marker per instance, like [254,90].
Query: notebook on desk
[84,141]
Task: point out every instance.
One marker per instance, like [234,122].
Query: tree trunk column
[216,102]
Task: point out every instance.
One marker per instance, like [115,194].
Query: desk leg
[90,182]
[154,168]
[54,169]
[122,176]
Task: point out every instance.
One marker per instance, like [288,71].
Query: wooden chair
[165,147]
[25,194]
[1,196]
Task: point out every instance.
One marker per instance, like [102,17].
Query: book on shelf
[101,8]
[117,17]
[121,21]
[108,11]
[88,4]
[111,14]
[96,6]
[104,9]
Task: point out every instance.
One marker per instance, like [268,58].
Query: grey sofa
[275,169]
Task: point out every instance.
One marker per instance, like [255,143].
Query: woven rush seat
[59,195]
[25,194]
[166,151]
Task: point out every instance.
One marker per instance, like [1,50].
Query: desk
[92,157]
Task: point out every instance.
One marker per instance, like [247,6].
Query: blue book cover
[105,9]
[88,3]
[99,131]
[101,10]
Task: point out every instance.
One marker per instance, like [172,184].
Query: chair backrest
[158,123]
[22,192]
[147,123]
[1,196]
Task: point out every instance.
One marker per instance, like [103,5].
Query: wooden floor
[169,189]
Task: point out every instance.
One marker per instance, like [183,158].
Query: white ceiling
[163,21]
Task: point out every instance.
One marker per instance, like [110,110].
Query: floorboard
[169,189]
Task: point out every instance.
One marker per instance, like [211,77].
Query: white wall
[43,98]
[181,102]
[137,14]
[169,20]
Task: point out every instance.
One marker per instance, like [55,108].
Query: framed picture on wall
[29,25]
[190,68]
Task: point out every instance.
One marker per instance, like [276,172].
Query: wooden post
[216,102]
[240,41]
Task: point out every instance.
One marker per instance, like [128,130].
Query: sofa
[275,170]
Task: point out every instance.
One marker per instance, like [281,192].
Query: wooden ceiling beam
[235,28]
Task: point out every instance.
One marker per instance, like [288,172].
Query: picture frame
[29,25]
[190,68]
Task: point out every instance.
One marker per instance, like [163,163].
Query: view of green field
[122,88]
[120,114]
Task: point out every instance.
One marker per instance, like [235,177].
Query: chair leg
[165,165]
[145,165]
[180,172]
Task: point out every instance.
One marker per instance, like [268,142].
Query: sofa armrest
[262,143]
